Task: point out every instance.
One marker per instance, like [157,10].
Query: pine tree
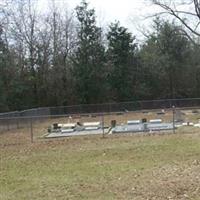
[121,50]
[89,57]
[3,73]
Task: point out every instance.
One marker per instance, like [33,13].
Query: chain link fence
[32,125]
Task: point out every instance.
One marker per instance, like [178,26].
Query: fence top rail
[99,114]
[125,102]
[102,104]
[80,109]
[12,112]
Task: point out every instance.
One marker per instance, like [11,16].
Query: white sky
[130,13]
[111,9]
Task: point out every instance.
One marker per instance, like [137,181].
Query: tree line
[64,58]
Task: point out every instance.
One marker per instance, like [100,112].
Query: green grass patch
[131,167]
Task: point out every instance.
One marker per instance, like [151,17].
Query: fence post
[173,108]
[17,120]
[31,130]
[8,124]
[102,121]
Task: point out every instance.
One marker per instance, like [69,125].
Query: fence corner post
[102,121]
[31,124]
[173,110]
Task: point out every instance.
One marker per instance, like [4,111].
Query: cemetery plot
[93,128]
[137,126]
[75,129]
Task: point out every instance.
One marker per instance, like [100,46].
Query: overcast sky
[130,13]
[111,9]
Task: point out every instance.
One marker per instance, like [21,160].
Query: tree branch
[175,13]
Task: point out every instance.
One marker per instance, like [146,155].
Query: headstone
[179,116]
[144,120]
[133,122]
[113,123]
[155,121]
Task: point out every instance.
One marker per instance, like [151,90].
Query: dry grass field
[116,167]
[140,167]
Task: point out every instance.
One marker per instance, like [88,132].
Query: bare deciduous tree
[186,12]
